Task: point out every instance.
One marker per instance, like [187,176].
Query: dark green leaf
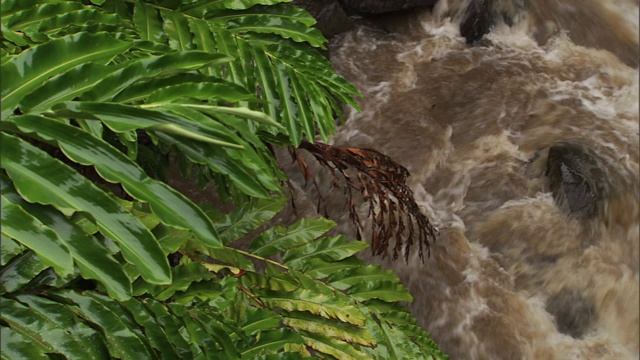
[20,271]
[266,80]
[16,38]
[41,330]
[148,68]
[171,239]
[320,269]
[260,320]
[330,307]
[226,43]
[147,22]
[363,274]
[122,341]
[143,88]
[284,27]
[396,343]
[272,341]
[204,154]
[249,217]
[288,107]
[280,11]
[155,332]
[329,327]
[202,91]
[334,347]
[304,112]
[277,239]
[14,345]
[322,113]
[205,336]
[79,18]
[88,254]
[183,276]
[384,290]
[204,40]
[65,328]
[308,64]
[34,15]
[169,205]
[121,118]
[30,232]
[286,355]
[231,257]
[10,7]
[40,178]
[9,248]
[65,87]
[331,249]
[176,27]
[245,4]
[173,328]
[29,70]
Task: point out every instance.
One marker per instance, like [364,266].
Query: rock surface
[572,311]
[477,22]
[573,179]
[332,19]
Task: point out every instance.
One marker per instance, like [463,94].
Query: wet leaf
[319,304]
[122,341]
[250,216]
[277,239]
[272,341]
[40,178]
[329,327]
[331,346]
[30,232]
[29,70]
[169,205]
[147,22]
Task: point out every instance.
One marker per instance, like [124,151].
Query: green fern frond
[101,259]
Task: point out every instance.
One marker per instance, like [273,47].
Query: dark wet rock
[383,6]
[575,180]
[332,19]
[477,22]
[572,311]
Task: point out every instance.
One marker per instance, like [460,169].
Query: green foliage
[99,96]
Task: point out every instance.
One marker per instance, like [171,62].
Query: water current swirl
[512,276]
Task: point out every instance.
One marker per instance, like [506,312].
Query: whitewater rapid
[511,276]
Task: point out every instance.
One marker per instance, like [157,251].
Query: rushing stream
[512,275]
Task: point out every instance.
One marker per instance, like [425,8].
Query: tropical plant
[97,98]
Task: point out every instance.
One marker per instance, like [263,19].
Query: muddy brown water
[511,275]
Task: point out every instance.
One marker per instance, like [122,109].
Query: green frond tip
[257,116]
[177,130]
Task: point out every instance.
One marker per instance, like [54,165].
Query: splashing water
[511,275]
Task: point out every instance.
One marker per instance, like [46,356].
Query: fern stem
[245,253]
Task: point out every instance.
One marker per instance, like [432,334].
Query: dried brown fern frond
[381,182]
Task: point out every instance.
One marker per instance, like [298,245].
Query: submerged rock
[574,176]
[331,17]
[478,20]
[572,311]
